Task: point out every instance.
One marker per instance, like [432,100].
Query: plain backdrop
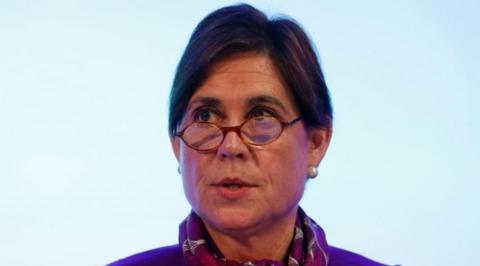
[87,175]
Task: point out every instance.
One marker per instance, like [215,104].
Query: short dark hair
[240,29]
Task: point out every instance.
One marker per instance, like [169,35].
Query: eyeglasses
[206,136]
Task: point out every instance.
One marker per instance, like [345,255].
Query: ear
[319,139]
[174,141]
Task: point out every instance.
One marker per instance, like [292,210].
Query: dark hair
[240,29]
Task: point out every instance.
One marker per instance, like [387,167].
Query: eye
[261,112]
[204,114]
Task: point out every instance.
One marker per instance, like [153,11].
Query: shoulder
[341,257]
[169,255]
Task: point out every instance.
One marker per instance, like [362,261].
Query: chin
[231,219]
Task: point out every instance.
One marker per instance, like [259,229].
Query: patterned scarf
[308,248]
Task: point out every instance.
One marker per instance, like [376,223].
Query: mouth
[233,188]
[233,183]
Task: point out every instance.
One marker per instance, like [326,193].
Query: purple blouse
[173,256]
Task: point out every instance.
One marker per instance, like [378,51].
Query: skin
[260,224]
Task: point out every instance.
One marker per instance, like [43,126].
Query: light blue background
[86,171]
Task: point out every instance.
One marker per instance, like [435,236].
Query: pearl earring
[179,170]
[312,172]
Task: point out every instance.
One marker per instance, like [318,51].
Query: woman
[250,121]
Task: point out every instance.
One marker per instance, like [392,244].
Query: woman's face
[239,187]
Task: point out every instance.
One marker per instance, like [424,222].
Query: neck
[265,242]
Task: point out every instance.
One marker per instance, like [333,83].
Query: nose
[233,146]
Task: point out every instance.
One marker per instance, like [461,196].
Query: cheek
[287,166]
[290,172]
[190,172]
[292,157]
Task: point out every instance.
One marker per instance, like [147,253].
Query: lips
[233,188]
[233,183]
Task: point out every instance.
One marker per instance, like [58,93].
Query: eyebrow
[212,101]
[251,102]
[262,99]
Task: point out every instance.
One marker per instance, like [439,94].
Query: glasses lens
[202,136]
[260,130]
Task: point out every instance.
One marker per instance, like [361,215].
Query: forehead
[236,79]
